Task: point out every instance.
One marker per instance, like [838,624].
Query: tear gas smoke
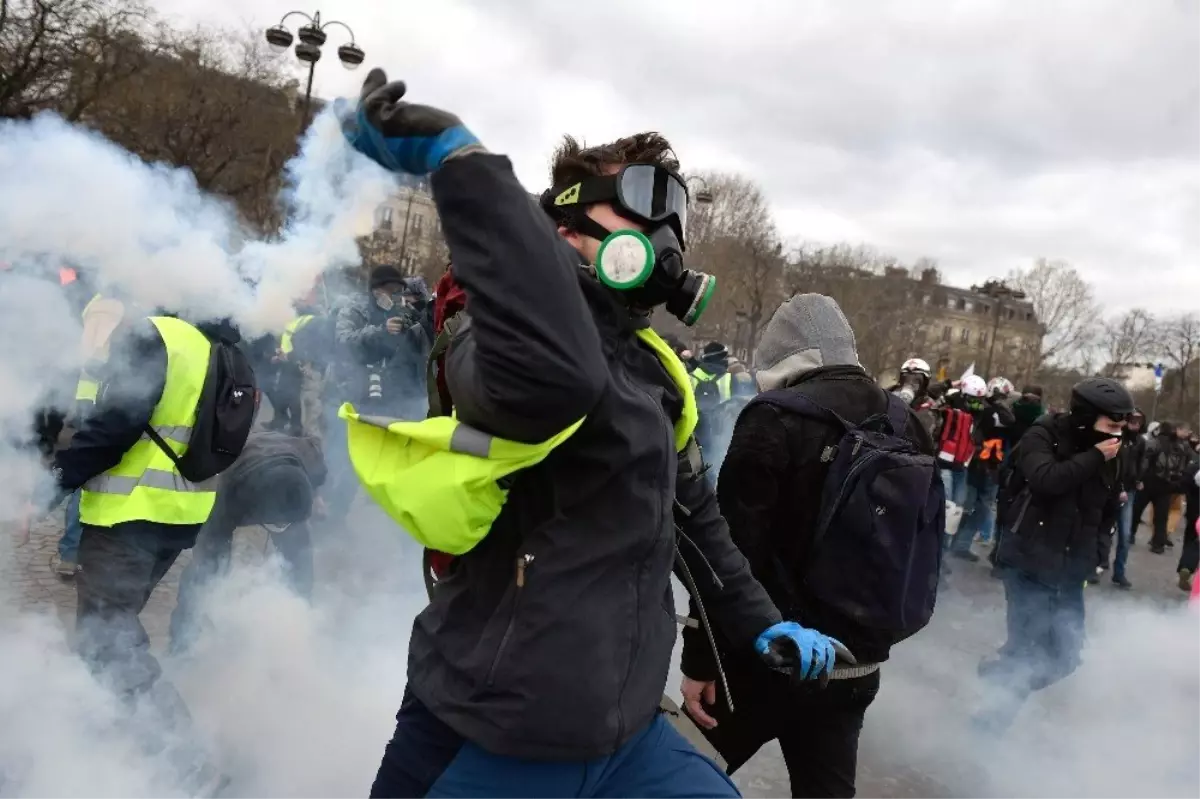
[69,196]
[291,698]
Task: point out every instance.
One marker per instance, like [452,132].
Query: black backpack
[223,418]
[875,557]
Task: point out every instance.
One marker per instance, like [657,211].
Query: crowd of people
[559,461]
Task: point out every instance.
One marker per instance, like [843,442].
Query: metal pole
[312,67]
[404,236]
[987,370]
[1154,406]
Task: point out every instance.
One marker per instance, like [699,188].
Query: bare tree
[1178,340]
[1126,339]
[64,55]
[872,290]
[1065,305]
[734,238]
[216,103]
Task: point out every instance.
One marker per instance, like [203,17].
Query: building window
[1029,316]
[985,309]
[946,333]
[983,338]
[965,336]
[926,299]
[968,306]
[960,304]
[417,224]
[383,217]
[1011,313]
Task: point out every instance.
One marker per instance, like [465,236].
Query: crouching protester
[793,503]
[566,483]
[271,484]
[1059,497]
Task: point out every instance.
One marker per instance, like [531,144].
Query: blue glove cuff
[416,155]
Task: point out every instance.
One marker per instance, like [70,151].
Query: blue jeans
[427,758]
[68,545]
[955,483]
[1124,535]
[1045,641]
[979,512]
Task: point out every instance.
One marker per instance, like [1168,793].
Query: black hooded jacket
[552,638]
[1060,502]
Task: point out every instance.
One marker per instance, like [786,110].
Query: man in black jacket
[1133,447]
[771,494]
[538,667]
[1059,501]
[1189,555]
[122,563]
[991,432]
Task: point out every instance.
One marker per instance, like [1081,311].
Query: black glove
[400,136]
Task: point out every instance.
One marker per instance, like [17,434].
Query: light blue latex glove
[803,653]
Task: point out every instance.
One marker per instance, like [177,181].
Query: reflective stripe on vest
[443,480]
[993,448]
[724,383]
[145,485]
[293,327]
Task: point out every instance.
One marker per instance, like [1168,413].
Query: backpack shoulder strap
[897,413]
[440,344]
[800,403]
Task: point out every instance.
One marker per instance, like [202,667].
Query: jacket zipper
[523,562]
[637,595]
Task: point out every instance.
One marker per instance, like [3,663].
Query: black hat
[1035,391]
[382,275]
[715,348]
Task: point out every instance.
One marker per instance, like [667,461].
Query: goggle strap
[600,189]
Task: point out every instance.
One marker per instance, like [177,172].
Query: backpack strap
[897,413]
[802,404]
[440,345]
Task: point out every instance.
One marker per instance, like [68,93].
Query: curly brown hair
[572,161]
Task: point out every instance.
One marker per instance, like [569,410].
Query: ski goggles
[643,193]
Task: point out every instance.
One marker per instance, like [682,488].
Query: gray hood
[807,332]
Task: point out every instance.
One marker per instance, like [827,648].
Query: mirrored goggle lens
[653,193]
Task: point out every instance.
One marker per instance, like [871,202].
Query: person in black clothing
[771,493]
[272,483]
[1164,462]
[992,434]
[1027,409]
[1189,555]
[1058,501]
[1133,446]
[539,666]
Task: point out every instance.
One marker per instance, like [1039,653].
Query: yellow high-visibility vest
[724,382]
[146,485]
[293,327]
[440,479]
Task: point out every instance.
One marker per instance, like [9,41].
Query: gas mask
[647,268]
[910,387]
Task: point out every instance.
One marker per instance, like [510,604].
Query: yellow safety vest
[87,389]
[146,485]
[724,383]
[439,479]
[293,327]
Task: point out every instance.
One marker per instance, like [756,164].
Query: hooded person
[1027,409]
[1058,502]
[771,491]
[273,483]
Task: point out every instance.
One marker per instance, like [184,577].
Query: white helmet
[973,386]
[1000,385]
[915,365]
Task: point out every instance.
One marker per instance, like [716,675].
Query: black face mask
[649,270]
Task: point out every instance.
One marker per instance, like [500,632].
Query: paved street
[913,743]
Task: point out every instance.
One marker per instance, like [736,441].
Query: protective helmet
[973,386]
[1101,396]
[1000,385]
[915,365]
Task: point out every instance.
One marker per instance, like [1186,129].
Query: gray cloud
[984,133]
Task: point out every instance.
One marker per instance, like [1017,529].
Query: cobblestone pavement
[967,626]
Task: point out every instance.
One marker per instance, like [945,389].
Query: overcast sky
[983,134]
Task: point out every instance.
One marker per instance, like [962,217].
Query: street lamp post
[308,49]
[704,195]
